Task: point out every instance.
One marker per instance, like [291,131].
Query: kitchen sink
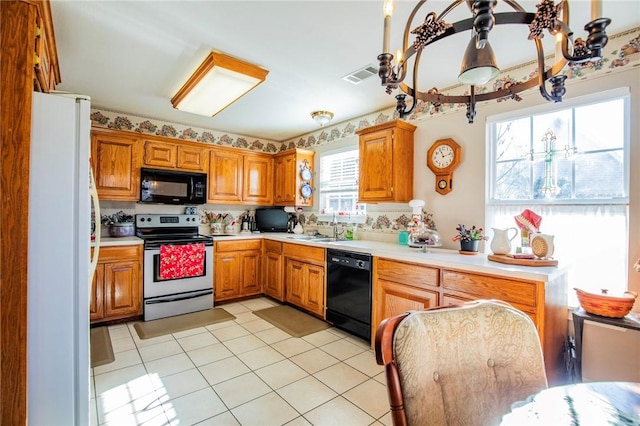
[319,238]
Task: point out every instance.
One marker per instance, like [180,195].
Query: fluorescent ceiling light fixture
[218,82]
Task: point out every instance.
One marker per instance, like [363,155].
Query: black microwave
[172,187]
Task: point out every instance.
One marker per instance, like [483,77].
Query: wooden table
[595,403]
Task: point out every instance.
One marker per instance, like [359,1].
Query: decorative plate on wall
[306,191]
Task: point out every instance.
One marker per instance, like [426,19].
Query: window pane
[591,134]
[600,175]
[512,139]
[339,174]
[513,180]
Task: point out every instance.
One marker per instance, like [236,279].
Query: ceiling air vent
[362,74]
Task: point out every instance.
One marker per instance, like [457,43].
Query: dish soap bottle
[349,233]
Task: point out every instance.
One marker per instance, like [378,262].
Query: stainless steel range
[178,265]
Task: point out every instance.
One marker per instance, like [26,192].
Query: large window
[570,166]
[339,181]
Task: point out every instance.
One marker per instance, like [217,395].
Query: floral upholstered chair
[459,365]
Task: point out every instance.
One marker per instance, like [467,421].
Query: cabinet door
[392,299]
[192,158]
[258,179]
[315,289]
[162,154]
[376,166]
[227,275]
[273,279]
[295,282]
[96,303]
[225,176]
[284,178]
[250,270]
[115,160]
[122,295]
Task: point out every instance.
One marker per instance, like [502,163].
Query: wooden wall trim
[16,87]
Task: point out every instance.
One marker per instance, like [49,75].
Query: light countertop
[437,257]
[118,241]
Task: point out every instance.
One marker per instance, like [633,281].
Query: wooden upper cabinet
[257,179]
[284,170]
[225,176]
[236,177]
[175,155]
[45,66]
[386,163]
[192,158]
[116,165]
[160,154]
[288,180]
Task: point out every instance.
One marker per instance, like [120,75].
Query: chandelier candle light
[479,65]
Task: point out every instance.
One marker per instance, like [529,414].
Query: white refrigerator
[60,270]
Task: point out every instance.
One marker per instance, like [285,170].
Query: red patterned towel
[181,261]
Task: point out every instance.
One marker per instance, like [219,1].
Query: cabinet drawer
[448,300]
[222,246]
[273,246]
[115,254]
[486,287]
[303,252]
[406,273]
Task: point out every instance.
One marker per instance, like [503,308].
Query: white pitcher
[501,242]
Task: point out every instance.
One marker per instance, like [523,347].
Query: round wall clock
[306,191]
[442,158]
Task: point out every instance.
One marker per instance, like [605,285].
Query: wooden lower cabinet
[237,269]
[273,278]
[116,291]
[304,279]
[401,286]
[304,284]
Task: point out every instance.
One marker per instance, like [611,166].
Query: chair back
[459,365]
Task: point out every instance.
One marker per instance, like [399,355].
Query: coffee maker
[292,222]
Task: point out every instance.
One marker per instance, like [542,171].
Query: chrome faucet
[334,224]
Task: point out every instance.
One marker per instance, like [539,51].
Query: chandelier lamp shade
[218,82]
[322,117]
[479,65]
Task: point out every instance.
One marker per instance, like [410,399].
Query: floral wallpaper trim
[148,126]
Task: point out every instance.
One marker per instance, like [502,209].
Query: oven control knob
[360,264]
[142,219]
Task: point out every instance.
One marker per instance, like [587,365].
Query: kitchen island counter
[437,257]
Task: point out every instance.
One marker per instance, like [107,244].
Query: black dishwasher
[349,291]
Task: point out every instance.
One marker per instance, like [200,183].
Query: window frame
[346,148]
[594,98]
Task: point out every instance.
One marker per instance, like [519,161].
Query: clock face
[442,156]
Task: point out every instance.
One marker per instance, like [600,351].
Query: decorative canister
[121,229]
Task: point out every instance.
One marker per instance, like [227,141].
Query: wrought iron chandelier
[479,64]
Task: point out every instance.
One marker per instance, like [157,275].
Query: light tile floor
[240,372]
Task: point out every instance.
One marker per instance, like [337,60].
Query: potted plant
[469,238]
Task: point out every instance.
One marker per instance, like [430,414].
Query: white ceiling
[132,56]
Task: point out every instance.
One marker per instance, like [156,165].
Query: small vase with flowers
[469,238]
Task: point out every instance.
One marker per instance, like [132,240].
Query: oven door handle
[179,297]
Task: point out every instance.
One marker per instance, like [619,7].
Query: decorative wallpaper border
[149,126]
